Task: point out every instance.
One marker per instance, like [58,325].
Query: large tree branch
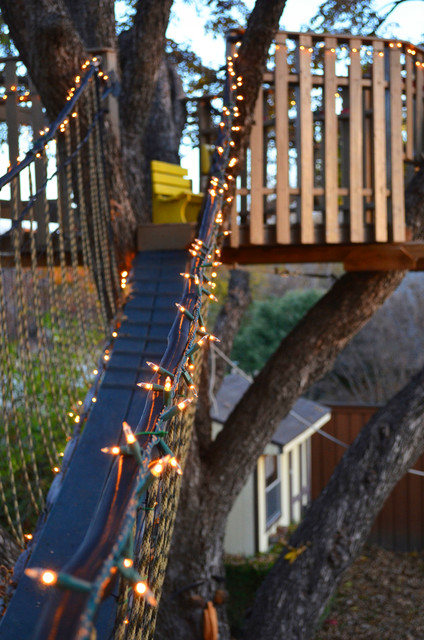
[142,50]
[340,519]
[303,357]
[43,31]
[94,21]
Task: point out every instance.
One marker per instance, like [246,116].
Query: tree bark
[293,596]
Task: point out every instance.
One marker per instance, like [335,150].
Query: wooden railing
[338,129]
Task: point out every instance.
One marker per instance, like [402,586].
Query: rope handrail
[106,550]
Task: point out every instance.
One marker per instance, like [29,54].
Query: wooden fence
[336,120]
[400,524]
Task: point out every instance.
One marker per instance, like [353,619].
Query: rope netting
[58,292]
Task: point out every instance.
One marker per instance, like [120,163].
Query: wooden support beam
[379,143]
[360,257]
[282,140]
[306,140]
[356,144]
[256,174]
[331,142]
[409,103]
[396,148]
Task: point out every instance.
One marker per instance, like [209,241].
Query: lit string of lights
[135,456]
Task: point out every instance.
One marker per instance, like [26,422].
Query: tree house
[337,135]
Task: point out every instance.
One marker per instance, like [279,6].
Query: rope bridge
[57,295]
[114,513]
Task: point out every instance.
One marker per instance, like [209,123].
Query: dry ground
[381,598]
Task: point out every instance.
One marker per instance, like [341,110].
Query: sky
[186,27]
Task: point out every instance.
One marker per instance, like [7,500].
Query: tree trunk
[293,596]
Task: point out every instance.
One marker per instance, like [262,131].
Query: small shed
[276,494]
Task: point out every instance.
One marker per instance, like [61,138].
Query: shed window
[272,489]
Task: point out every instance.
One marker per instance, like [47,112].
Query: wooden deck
[338,133]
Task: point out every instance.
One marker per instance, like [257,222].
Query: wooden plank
[12,117]
[355,144]
[38,120]
[419,111]
[379,144]
[306,141]
[396,148]
[282,141]
[361,257]
[409,68]
[331,143]
[256,174]
[234,227]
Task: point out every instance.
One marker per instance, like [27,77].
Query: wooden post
[379,143]
[330,142]
[282,141]
[12,130]
[111,67]
[409,68]
[306,142]
[256,174]
[355,144]
[37,121]
[419,112]
[396,148]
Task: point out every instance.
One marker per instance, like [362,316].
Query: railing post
[37,119]
[356,200]
[306,141]
[111,67]
[12,124]
[379,142]
[282,141]
[331,139]
[396,147]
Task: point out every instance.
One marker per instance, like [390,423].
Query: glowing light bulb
[115,451]
[154,366]
[56,469]
[127,562]
[157,467]
[145,385]
[168,384]
[95,372]
[28,536]
[45,576]
[173,462]
[129,436]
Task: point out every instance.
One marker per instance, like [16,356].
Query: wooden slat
[379,144]
[409,67]
[282,141]
[396,148]
[331,143]
[355,144]
[419,111]
[306,141]
[234,227]
[256,174]
[37,118]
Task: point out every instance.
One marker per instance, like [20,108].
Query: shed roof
[304,415]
